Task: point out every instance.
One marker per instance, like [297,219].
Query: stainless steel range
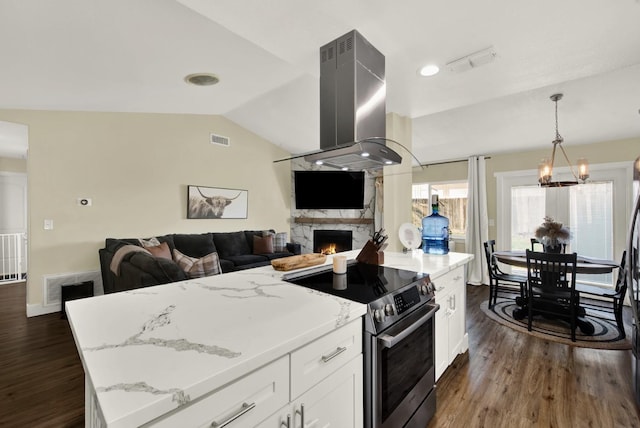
[399,339]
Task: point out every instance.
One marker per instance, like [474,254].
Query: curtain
[477,222]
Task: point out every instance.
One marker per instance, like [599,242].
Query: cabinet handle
[454,302]
[244,409]
[331,356]
[301,413]
[286,424]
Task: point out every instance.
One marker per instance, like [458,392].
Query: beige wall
[610,151]
[397,181]
[13,165]
[136,168]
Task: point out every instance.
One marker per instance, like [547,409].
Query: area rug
[606,335]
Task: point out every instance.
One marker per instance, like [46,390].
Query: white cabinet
[451,336]
[243,403]
[334,402]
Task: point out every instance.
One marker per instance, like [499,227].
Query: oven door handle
[390,341]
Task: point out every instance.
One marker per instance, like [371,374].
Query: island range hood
[352,106]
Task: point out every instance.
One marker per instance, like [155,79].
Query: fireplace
[332,241]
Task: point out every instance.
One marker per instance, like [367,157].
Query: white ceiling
[132,56]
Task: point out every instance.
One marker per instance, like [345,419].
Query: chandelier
[545,168]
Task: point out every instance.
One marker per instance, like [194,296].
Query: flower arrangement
[551,233]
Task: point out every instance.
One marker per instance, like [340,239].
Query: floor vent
[54,283]
[219,140]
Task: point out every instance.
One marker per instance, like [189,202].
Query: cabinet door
[335,402]
[442,337]
[457,307]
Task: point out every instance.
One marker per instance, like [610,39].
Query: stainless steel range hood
[352,106]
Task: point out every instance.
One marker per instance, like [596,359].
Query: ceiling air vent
[219,140]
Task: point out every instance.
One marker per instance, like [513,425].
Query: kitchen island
[179,354]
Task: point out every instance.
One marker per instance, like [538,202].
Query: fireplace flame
[331,249]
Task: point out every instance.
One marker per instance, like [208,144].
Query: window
[452,198]
[597,230]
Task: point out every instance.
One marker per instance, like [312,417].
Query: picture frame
[205,202]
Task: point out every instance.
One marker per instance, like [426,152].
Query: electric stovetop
[362,283]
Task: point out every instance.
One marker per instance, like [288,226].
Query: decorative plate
[409,236]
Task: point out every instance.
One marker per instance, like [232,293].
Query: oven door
[403,372]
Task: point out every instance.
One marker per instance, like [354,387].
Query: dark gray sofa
[141,269]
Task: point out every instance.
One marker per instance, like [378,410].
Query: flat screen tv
[329,189]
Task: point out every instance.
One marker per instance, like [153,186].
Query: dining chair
[606,299]
[499,280]
[551,287]
[534,242]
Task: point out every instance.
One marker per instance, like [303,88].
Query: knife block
[371,254]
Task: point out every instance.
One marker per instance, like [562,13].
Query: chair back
[621,282]
[534,242]
[553,273]
[489,249]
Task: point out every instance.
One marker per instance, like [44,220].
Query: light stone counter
[149,351]
[417,261]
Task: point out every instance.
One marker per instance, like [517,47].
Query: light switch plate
[48,224]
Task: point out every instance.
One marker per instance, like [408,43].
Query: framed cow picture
[216,202]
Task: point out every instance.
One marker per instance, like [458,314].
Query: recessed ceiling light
[364,154]
[429,70]
[319,162]
[202,79]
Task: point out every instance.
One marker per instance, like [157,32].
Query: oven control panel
[406,299]
[393,307]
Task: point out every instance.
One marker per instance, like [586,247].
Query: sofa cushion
[195,245]
[227,265]
[198,267]
[263,244]
[231,244]
[278,255]
[246,259]
[252,265]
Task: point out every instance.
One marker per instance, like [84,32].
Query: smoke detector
[474,60]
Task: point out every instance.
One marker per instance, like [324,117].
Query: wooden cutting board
[298,262]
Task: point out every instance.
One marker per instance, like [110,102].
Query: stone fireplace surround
[304,222]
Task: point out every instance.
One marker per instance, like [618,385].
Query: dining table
[587,265]
[584,265]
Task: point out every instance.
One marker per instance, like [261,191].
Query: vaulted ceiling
[132,56]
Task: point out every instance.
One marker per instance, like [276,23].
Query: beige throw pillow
[198,268]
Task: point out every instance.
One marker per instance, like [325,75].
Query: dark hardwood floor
[507,379]
[41,376]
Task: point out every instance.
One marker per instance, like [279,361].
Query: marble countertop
[151,350]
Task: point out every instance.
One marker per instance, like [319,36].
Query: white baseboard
[35,310]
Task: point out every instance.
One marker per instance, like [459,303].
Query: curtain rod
[451,161]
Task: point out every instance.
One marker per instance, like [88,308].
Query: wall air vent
[219,140]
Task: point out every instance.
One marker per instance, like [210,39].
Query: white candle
[339,264]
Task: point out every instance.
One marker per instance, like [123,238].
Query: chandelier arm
[568,162]
[553,157]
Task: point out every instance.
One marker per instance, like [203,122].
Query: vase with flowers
[552,235]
